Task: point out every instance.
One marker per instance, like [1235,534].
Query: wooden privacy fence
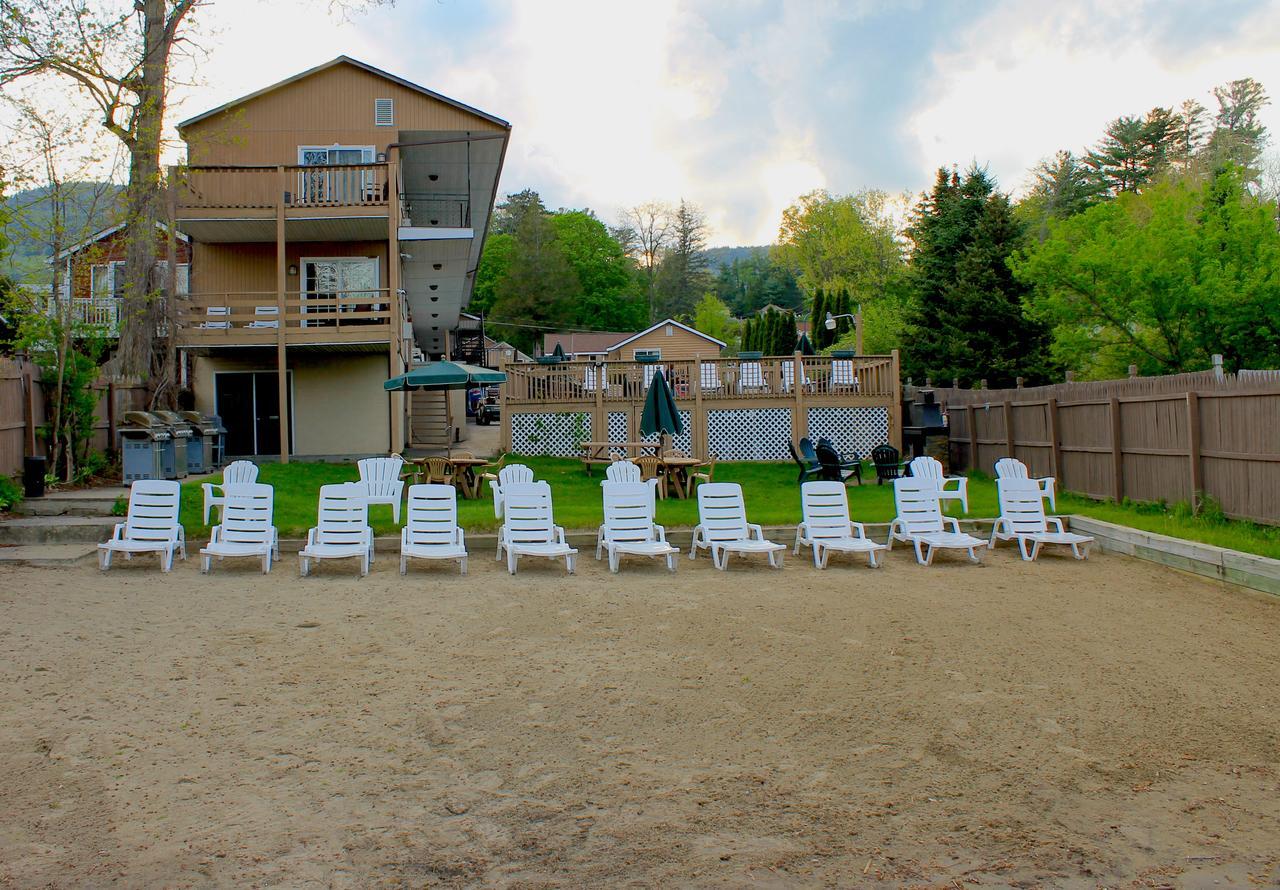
[1170,439]
[737,409]
[22,412]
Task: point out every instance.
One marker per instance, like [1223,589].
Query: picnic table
[598,452]
[464,473]
[677,469]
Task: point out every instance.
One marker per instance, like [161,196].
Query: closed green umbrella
[660,414]
[558,352]
[444,375]
[804,346]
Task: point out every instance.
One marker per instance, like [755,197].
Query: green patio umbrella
[558,352]
[804,345]
[444,375]
[660,414]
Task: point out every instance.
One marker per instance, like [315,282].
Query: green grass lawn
[773,498]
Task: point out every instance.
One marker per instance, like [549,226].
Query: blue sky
[743,106]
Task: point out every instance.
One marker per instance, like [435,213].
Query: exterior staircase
[431,427]
[60,528]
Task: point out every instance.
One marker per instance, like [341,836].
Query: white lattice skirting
[749,434]
[557,434]
[617,422]
[682,442]
[851,429]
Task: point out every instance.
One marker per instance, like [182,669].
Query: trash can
[33,470]
[189,441]
[204,441]
[144,445]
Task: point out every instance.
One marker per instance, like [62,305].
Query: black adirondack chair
[832,468]
[888,463]
[809,469]
[851,461]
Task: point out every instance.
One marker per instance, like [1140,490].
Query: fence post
[698,435]
[504,416]
[800,421]
[111,415]
[1008,427]
[1055,441]
[1193,450]
[895,411]
[973,436]
[28,384]
[1117,452]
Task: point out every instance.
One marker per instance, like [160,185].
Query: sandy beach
[1109,723]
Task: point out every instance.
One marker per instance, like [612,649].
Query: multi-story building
[335,221]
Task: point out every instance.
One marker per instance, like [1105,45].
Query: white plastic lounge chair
[925,467]
[710,374]
[240,472]
[380,477]
[431,527]
[342,527]
[920,522]
[267,317]
[509,475]
[591,378]
[826,526]
[789,376]
[529,528]
[723,528]
[218,316]
[750,377]
[151,525]
[629,527]
[1012,468]
[246,529]
[1022,519]
[843,375]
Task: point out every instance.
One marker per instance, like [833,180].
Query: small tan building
[668,340]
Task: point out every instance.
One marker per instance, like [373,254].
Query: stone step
[57,529]
[67,506]
[47,554]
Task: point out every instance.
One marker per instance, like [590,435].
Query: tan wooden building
[335,220]
[665,341]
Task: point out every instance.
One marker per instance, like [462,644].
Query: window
[671,330]
[383,115]
[107,279]
[331,184]
[339,284]
[181,281]
[647,355]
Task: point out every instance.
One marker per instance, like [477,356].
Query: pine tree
[817,329]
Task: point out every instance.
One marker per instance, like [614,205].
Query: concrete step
[47,554]
[82,506]
[57,529]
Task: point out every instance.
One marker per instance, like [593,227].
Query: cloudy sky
[742,105]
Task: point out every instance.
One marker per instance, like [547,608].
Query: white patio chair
[431,527]
[151,525]
[267,317]
[626,471]
[1012,468]
[789,376]
[342,527]
[750,377]
[629,527]
[511,474]
[723,528]
[843,375]
[710,377]
[925,467]
[217,318]
[1022,519]
[920,522]
[380,477]
[529,527]
[650,370]
[245,529]
[240,472]
[826,526]
[591,378]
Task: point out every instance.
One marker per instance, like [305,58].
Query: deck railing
[338,185]
[724,379]
[250,317]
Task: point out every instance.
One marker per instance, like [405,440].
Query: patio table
[598,452]
[677,470]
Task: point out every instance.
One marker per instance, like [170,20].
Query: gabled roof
[104,233]
[600,342]
[346,60]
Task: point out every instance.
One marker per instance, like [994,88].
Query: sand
[1109,723]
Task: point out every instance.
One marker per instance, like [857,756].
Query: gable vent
[382,113]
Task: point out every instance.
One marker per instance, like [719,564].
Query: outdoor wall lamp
[293,270]
[830,323]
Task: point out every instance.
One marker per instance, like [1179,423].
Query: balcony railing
[430,209]
[247,318]
[340,185]
[773,378]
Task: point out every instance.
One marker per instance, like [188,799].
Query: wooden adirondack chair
[150,526]
[246,529]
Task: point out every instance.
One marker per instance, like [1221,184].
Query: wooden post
[111,415]
[1117,452]
[1008,428]
[698,435]
[1056,443]
[28,383]
[282,368]
[1193,450]
[800,424]
[895,412]
[600,420]
[504,421]
[973,436]
[395,352]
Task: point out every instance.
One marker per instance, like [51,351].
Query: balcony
[96,316]
[346,318]
[329,202]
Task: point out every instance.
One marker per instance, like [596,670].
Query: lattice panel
[617,421]
[750,434]
[557,433]
[851,429]
[684,441]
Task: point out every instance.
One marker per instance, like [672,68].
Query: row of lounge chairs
[342,529]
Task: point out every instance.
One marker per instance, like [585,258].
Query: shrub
[10,493]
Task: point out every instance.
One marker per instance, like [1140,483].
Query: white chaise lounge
[826,526]
[246,530]
[431,527]
[629,528]
[529,527]
[150,526]
[920,522]
[1022,519]
[723,528]
[342,527]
